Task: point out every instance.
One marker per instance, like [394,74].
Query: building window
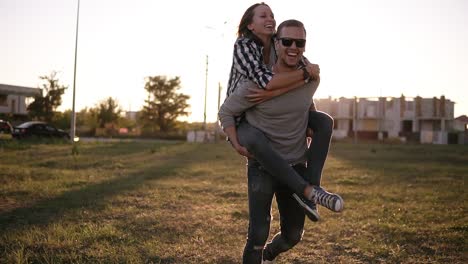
[407,126]
[3,100]
[13,106]
[410,106]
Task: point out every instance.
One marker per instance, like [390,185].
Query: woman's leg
[322,126]
[258,145]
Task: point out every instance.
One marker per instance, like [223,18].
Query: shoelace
[324,198]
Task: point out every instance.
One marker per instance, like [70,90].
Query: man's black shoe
[310,208]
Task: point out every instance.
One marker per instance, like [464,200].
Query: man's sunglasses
[287,42]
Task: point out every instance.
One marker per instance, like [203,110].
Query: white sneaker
[268,261]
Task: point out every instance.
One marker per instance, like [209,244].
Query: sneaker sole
[339,205]
[311,214]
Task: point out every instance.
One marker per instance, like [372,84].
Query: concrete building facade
[13,99]
[424,120]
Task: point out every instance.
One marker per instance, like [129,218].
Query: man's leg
[260,193]
[291,222]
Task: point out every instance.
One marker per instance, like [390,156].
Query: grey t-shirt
[283,119]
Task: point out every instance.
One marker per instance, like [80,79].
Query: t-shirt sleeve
[236,104]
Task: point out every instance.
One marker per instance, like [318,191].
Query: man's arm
[234,106]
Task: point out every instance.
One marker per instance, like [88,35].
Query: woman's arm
[291,79]
[259,95]
[247,60]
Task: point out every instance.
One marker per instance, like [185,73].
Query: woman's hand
[313,69]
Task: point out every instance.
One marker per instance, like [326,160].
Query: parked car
[5,127]
[38,129]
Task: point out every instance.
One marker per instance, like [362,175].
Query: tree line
[159,115]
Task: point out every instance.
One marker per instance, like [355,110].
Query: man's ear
[277,44]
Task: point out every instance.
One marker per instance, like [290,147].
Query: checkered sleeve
[248,60]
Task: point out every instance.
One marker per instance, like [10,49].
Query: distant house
[424,120]
[13,99]
[132,115]
[461,124]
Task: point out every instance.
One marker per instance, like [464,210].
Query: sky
[365,48]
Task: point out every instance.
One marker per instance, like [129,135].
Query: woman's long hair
[246,20]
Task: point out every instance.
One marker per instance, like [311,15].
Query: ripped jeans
[261,188]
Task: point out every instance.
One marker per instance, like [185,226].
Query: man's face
[290,45]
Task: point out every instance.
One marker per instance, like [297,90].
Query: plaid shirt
[247,63]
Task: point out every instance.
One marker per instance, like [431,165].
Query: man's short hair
[290,23]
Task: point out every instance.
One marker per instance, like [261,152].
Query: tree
[62,119]
[108,112]
[44,106]
[87,121]
[164,105]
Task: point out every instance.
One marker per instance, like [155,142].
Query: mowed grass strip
[175,202]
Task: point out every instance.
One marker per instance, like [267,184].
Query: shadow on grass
[100,155]
[92,197]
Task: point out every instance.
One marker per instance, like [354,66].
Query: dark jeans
[261,188]
[258,144]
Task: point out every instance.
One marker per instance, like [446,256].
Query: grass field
[186,203]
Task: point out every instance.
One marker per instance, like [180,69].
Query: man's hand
[309,135]
[232,135]
[260,95]
[242,151]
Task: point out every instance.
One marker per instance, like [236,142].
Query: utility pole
[355,118]
[217,116]
[73,117]
[205,137]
